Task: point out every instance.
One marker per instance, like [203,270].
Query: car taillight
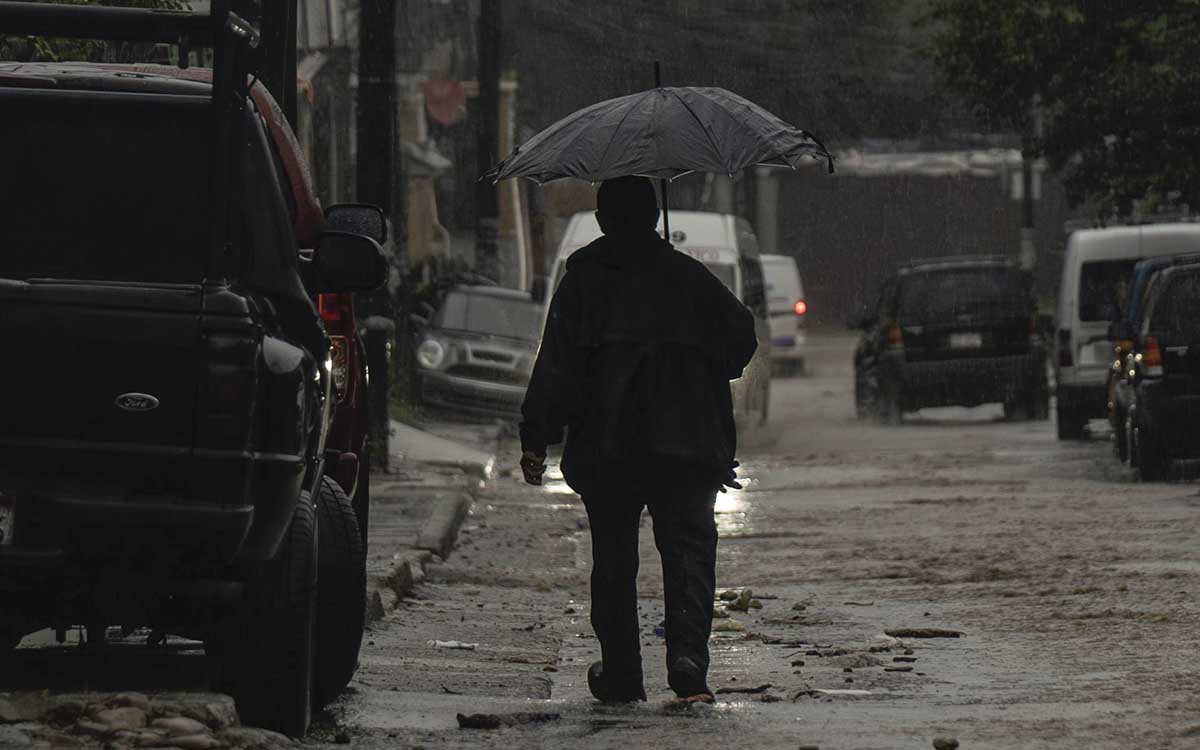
[338,348]
[895,336]
[1151,358]
[1065,357]
[329,307]
[801,307]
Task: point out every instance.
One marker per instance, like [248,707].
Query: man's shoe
[604,692]
[686,678]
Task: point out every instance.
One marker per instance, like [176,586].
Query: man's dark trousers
[685,533]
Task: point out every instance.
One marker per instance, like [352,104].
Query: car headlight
[431,354]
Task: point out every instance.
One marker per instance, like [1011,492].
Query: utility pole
[1029,148]
[487,223]
[378,168]
[379,183]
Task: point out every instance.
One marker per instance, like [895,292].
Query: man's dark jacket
[639,348]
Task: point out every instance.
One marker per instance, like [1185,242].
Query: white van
[728,246]
[1097,271]
[787,309]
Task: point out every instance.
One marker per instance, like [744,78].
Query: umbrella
[666,132]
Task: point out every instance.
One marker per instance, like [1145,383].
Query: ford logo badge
[136,402]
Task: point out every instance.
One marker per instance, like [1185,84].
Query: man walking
[635,363]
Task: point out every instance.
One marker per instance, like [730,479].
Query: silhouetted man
[639,348]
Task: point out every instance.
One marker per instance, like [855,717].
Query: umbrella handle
[666,217]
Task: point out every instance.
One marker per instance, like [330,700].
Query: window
[1176,315]
[100,189]
[484,313]
[754,292]
[1104,289]
[981,293]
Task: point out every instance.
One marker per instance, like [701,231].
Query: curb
[441,529]
[435,539]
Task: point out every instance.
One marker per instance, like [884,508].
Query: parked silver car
[477,353]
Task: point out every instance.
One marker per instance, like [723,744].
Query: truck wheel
[341,594]
[1151,463]
[1120,444]
[1070,423]
[888,404]
[267,653]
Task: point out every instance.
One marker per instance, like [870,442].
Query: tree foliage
[1116,80]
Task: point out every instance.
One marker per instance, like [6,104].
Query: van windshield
[1104,289]
[101,190]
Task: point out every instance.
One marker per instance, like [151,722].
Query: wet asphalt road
[1074,587]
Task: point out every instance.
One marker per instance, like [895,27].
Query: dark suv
[168,379]
[1160,376]
[951,331]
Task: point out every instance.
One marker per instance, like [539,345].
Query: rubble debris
[945,743]
[897,669]
[452,645]
[744,602]
[923,633]
[822,693]
[737,689]
[179,726]
[728,626]
[496,721]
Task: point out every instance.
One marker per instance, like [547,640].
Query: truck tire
[341,594]
[267,652]
[1151,463]
[1070,423]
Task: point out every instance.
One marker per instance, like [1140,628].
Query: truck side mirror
[349,262]
[357,218]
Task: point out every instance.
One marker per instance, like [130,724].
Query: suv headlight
[431,354]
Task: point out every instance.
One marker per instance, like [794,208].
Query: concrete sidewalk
[420,503]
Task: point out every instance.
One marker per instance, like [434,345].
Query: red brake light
[801,307]
[1152,358]
[327,305]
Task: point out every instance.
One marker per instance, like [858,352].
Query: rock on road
[1073,588]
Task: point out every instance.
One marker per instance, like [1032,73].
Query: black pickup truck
[166,377]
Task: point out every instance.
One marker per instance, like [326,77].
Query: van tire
[341,594]
[1071,425]
[268,647]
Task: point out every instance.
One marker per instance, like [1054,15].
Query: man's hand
[533,466]
[730,479]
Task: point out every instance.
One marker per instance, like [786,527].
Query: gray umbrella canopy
[665,132]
